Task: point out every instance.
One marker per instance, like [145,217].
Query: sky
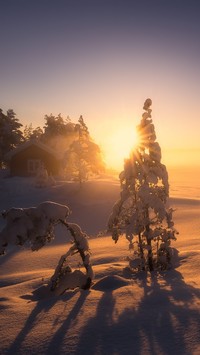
[102,59]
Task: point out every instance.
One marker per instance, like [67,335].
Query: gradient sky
[102,59]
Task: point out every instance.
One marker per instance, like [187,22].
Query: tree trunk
[149,256]
[141,251]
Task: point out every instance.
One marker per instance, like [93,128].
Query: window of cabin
[33,166]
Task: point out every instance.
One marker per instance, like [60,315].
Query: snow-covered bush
[141,211]
[35,226]
[63,277]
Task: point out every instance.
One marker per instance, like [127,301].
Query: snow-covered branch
[33,225]
[63,277]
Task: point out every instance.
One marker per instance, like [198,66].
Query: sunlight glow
[121,142]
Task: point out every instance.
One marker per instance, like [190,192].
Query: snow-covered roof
[32,142]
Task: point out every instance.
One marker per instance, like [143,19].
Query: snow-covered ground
[122,313]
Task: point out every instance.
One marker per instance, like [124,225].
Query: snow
[122,313]
[34,225]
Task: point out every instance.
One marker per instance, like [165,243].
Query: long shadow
[165,315]
[43,305]
[97,337]
[164,322]
[56,344]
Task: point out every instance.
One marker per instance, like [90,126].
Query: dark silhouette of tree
[28,130]
[59,133]
[57,125]
[141,211]
[31,133]
[10,134]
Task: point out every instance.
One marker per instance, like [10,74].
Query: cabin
[29,157]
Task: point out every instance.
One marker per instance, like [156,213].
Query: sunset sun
[122,141]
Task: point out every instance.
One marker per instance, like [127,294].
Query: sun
[121,142]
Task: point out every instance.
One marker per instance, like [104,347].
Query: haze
[102,59]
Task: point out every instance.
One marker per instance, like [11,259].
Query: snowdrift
[122,313]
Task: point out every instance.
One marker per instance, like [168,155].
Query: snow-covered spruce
[63,277]
[141,211]
[34,225]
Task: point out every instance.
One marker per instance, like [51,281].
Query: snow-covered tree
[141,212]
[34,226]
[83,156]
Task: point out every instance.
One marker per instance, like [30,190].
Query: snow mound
[110,283]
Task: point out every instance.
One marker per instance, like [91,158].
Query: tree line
[80,155]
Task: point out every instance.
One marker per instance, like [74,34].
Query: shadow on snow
[165,321]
